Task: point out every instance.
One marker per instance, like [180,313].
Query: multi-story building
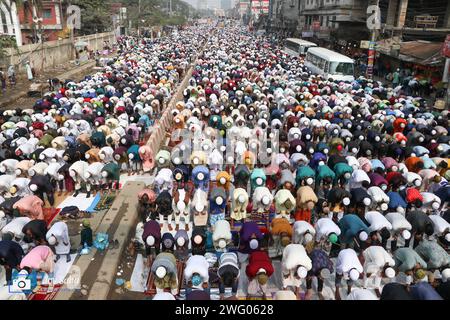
[343,19]
[416,19]
[28,25]
[284,15]
[226,4]
[412,34]
[243,7]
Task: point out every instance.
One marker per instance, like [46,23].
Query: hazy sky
[211,3]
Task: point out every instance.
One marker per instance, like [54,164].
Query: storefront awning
[419,52]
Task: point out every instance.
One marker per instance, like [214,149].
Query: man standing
[58,236]
[29,71]
[11,75]
[396,78]
[3,80]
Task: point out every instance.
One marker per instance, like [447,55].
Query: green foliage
[156,12]
[95,15]
[6,42]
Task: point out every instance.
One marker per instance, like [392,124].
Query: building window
[47,14]
[321,21]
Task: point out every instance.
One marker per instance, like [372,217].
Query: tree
[95,15]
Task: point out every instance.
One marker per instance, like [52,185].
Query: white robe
[29,71]
[61,232]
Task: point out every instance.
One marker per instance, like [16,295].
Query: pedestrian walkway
[22,86]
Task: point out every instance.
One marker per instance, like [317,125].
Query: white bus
[330,64]
[296,47]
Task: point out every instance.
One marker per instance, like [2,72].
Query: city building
[283,15]
[412,35]
[243,7]
[29,27]
[328,20]
[226,4]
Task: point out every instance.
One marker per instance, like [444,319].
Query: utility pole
[373,24]
[446,79]
[139,18]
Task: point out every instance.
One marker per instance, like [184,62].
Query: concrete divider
[121,218]
[164,124]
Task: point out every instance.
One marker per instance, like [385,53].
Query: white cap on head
[417,182]
[259,181]
[325,273]
[52,240]
[161,272]
[223,180]
[447,237]
[198,239]
[346,201]
[161,160]
[241,198]
[18,172]
[199,207]
[354,274]
[367,201]
[104,174]
[445,275]
[253,244]
[406,234]
[302,272]
[196,161]
[389,272]
[200,176]
[310,181]
[33,187]
[150,241]
[72,173]
[308,237]
[401,210]
[181,241]
[222,243]
[177,160]
[384,206]
[347,175]
[435,205]
[219,201]
[321,163]
[265,200]
[363,236]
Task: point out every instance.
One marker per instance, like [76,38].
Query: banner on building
[446,49]
[364,44]
[316,25]
[260,6]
